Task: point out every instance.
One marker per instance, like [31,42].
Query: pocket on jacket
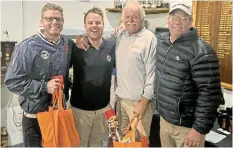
[181,107]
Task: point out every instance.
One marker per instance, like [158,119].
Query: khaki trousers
[91,125]
[125,114]
[173,135]
[112,92]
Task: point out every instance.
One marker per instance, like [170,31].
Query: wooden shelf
[147,10]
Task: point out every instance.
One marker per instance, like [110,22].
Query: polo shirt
[92,70]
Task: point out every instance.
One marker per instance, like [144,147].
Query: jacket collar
[191,35]
[43,37]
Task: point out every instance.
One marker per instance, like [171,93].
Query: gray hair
[135,3]
[51,6]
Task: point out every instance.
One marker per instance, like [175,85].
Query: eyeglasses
[50,19]
[182,19]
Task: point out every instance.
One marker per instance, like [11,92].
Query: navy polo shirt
[92,70]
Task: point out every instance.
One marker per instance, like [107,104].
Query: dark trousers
[31,132]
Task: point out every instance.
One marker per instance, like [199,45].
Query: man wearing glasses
[34,61]
[188,89]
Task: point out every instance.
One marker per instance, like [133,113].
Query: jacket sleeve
[17,77]
[149,61]
[206,75]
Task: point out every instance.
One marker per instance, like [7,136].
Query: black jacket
[188,89]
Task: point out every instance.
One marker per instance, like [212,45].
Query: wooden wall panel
[213,19]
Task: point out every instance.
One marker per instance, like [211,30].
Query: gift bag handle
[57,97]
[134,127]
[130,123]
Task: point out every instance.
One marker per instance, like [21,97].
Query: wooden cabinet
[213,20]
[7,48]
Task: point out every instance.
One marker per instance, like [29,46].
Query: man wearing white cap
[188,89]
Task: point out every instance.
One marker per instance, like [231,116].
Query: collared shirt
[101,45]
[92,71]
[135,65]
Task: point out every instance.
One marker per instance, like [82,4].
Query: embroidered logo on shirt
[109,58]
[177,58]
[44,54]
[131,46]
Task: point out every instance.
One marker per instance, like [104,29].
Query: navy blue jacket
[33,63]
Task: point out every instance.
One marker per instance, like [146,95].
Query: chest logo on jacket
[177,58]
[109,58]
[44,54]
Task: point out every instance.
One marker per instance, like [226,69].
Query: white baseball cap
[185,7]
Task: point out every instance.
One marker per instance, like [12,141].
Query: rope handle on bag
[130,123]
[134,128]
[57,97]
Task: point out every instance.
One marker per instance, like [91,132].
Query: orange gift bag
[129,139]
[57,124]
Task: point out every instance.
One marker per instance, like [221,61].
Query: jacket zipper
[179,110]
[162,70]
[179,102]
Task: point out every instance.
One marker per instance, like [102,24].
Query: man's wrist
[196,131]
[144,100]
